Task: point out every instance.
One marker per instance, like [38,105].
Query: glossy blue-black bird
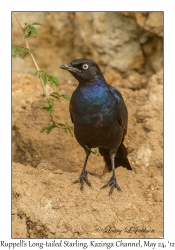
[100,118]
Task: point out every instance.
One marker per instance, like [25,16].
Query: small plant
[45,78]
[31,30]
[16,51]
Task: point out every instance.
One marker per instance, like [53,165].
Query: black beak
[69,68]
[65,66]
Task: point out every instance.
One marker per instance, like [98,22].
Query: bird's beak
[69,68]
[65,66]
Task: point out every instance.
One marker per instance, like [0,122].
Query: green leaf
[27,50]
[28,35]
[31,30]
[47,12]
[67,97]
[96,151]
[34,31]
[48,128]
[36,23]
[50,110]
[53,80]
[50,104]
[56,95]
[50,101]
[39,72]
[45,79]
[16,51]
[47,108]
[66,127]
[61,124]
[43,102]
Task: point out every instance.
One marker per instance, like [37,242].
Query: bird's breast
[93,106]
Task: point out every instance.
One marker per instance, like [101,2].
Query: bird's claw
[83,177]
[113,183]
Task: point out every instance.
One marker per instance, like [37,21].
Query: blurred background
[122,43]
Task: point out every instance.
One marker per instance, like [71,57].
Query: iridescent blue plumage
[100,118]
[94,102]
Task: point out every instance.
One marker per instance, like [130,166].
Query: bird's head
[84,70]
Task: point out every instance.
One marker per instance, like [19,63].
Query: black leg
[83,175]
[112,182]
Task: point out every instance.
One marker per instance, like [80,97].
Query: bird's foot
[113,183]
[83,177]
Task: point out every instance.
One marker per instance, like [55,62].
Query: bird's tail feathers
[120,158]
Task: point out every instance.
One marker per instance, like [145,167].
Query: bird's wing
[122,115]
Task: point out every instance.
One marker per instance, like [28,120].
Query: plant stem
[27,46]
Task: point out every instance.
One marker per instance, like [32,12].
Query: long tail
[120,158]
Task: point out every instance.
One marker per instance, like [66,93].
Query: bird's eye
[85,66]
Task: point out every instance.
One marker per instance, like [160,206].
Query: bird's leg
[112,182]
[83,175]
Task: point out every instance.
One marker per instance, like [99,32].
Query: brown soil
[45,202]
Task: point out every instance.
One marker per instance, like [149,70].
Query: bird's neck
[99,81]
[93,93]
